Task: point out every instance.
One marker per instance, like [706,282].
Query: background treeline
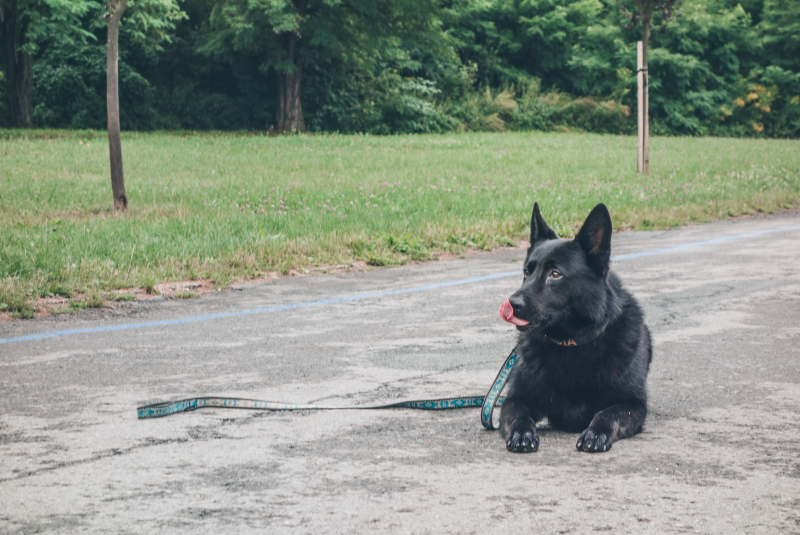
[724,67]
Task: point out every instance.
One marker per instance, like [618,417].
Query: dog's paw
[594,441]
[522,441]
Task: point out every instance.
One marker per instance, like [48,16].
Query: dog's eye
[555,274]
[526,274]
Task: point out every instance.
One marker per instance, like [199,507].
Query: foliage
[780,31]
[151,23]
[70,74]
[44,18]
[398,66]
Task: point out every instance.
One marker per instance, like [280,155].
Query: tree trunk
[115,10]
[289,112]
[645,40]
[17,67]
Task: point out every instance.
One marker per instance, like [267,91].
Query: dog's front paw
[522,441]
[594,441]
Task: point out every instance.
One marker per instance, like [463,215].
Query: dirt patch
[182,288]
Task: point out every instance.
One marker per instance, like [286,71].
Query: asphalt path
[720,452]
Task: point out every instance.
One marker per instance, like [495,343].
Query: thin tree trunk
[115,10]
[17,67]
[645,40]
[289,110]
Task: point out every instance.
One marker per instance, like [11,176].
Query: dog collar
[583,338]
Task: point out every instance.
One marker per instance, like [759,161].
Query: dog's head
[565,281]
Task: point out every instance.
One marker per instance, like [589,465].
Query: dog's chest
[563,381]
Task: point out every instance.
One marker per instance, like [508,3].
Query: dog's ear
[594,238]
[539,229]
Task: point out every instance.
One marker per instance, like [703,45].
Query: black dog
[584,350]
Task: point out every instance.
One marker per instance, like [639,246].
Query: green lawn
[230,206]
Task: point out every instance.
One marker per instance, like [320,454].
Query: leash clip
[191,406]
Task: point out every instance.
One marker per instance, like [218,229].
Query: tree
[289,110]
[645,11]
[270,29]
[23,24]
[277,32]
[17,65]
[151,21]
[547,34]
[781,32]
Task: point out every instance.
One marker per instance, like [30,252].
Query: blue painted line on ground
[704,242]
[192,319]
[359,297]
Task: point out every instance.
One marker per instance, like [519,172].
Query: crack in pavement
[109,453]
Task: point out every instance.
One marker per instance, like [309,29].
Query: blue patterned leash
[487,403]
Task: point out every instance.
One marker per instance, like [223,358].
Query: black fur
[596,386]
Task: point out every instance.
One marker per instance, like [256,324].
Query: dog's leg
[612,424]
[518,427]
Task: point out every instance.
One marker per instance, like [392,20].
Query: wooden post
[640,107]
[646,92]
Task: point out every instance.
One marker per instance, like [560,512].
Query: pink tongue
[507,313]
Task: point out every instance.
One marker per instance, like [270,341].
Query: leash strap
[493,398]
[487,402]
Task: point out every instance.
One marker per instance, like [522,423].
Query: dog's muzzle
[507,313]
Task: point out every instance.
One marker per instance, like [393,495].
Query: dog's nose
[517,303]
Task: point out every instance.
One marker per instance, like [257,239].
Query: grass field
[229,206]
